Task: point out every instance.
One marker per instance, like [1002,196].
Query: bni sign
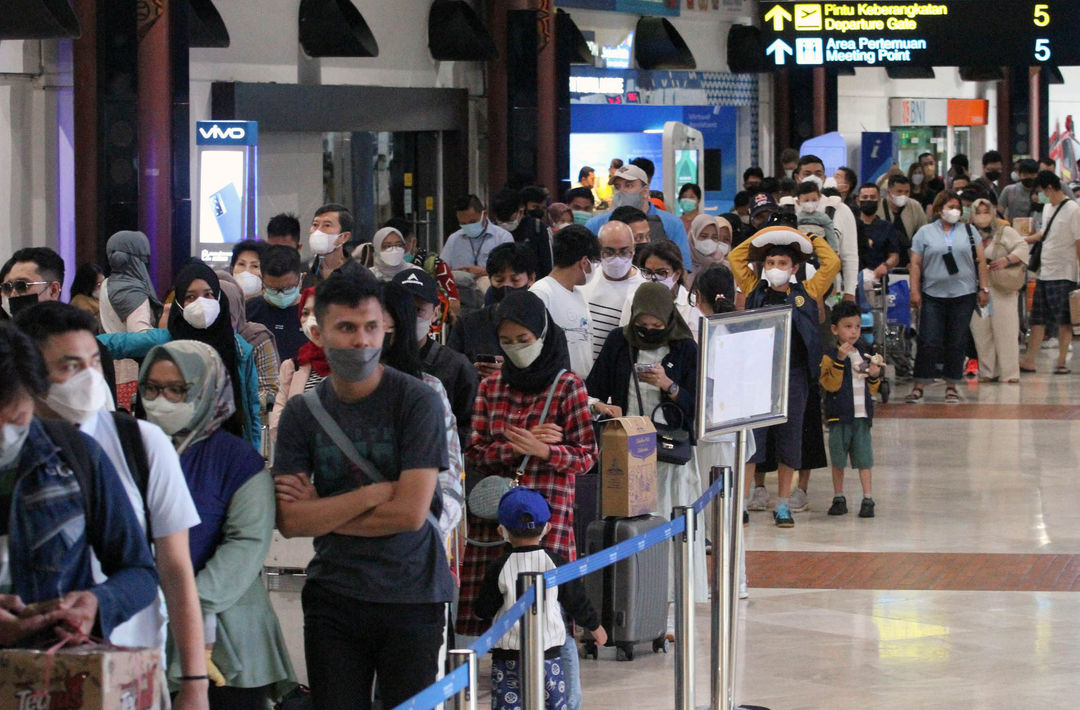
[226,133]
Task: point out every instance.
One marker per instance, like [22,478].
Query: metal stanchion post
[736,531]
[684,609]
[720,613]
[466,699]
[532,642]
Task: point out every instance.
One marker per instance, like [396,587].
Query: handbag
[1010,279]
[485,496]
[1035,261]
[672,439]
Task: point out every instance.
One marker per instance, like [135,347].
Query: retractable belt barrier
[458,680]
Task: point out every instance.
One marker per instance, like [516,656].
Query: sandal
[952,396]
[915,397]
[1062,370]
[1028,369]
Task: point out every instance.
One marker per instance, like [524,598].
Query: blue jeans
[571,672]
[944,331]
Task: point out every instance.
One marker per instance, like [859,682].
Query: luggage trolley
[890,338]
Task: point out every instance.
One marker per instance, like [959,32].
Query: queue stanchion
[466,699]
[720,600]
[532,642]
[684,608]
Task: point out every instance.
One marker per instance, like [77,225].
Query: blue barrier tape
[455,682]
[707,497]
[603,558]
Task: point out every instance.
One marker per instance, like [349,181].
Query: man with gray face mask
[356,467]
[631,185]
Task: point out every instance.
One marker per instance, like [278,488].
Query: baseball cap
[761,202]
[420,283]
[631,172]
[523,508]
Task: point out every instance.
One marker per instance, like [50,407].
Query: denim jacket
[50,543]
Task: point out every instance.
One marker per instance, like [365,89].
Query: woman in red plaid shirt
[506,427]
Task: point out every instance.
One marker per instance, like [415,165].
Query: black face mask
[993,175]
[1028,183]
[20,303]
[651,336]
[868,207]
[537,213]
[496,294]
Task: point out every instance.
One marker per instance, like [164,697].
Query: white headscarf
[382,270]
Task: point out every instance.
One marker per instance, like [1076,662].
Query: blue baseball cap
[523,509]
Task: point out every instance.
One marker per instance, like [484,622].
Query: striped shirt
[606,299]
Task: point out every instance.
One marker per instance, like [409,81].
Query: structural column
[154,114]
[85,92]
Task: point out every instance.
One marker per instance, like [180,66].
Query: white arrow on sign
[779,48]
[776,16]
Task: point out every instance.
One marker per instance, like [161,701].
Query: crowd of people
[153,438]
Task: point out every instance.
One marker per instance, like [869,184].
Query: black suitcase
[586,507]
[631,594]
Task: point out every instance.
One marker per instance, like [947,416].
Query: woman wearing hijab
[388,248]
[185,389]
[559,215]
[662,263]
[506,427]
[710,242]
[656,336]
[201,313]
[257,335]
[307,369]
[128,301]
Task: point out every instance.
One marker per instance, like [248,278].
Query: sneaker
[1049,344]
[759,499]
[782,517]
[972,369]
[799,500]
[867,508]
[839,506]
[745,518]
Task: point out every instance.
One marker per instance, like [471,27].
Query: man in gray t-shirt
[375,599]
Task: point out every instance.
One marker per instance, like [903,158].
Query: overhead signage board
[945,33]
[633,7]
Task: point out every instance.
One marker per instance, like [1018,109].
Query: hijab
[211,388]
[382,270]
[219,334]
[996,226]
[254,333]
[555,213]
[129,281]
[310,353]
[655,299]
[699,260]
[527,310]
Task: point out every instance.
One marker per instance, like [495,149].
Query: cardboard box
[82,678]
[1023,226]
[628,467]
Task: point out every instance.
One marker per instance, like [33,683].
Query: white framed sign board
[743,371]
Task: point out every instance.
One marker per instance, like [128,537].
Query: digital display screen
[597,150]
[221,213]
[686,167]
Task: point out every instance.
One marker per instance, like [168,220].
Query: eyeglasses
[19,286]
[658,275]
[174,392]
[625,252]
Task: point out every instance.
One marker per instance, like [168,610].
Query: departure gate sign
[946,33]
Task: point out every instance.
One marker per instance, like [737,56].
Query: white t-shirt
[570,312]
[606,299]
[168,500]
[1059,246]
[858,384]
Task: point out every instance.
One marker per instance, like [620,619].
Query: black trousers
[349,643]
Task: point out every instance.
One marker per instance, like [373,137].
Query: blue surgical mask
[283,298]
[687,205]
[474,230]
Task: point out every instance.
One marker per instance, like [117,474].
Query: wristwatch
[984,290]
[674,389]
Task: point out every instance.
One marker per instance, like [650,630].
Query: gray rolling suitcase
[632,594]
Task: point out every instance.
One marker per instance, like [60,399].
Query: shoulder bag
[485,496]
[1035,261]
[1010,279]
[672,439]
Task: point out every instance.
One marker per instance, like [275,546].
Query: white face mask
[511,225]
[172,417]
[1014,176]
[524,354]
[422,328]
[899,200]
[809,207]
[917,179]
[669,282]
[950,216]
[982,221]
[392,256]
[814,179]
[82,396]
[307,325]
[616,267]
[706,247]
[777,277]
[322,243]
[202,312]
[249,283]
[12,438]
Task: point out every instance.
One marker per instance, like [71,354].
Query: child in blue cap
[523,522]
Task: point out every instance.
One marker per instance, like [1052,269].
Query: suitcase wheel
[624,652]
[590,650]
[661,645]
[884,391]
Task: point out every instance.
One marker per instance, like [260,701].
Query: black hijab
[219,335]
[527,310]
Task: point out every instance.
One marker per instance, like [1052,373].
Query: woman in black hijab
[201,313]
[506,427]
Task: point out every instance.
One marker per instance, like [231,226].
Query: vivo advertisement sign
[226,133]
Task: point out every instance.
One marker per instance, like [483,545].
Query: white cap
[631,172]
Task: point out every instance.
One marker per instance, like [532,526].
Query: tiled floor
[943,600]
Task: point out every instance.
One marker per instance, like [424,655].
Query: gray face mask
[353,364]
[626,199]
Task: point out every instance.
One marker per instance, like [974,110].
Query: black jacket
[459,378]
[475,334]
[533,232]
[611,373]
[804,320]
